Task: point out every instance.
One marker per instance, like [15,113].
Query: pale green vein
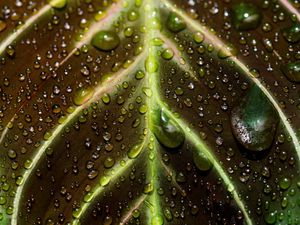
[154,212]
[112,12]
[105,180]
[289,6]
[179,57]
[170,172]
[134,207]
[151,65]
[219,43]
[106,87]
[105,22]
[203,148]
[28,23]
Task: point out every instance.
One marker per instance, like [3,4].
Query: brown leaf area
[68,163]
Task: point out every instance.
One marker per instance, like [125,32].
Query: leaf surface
[149,112]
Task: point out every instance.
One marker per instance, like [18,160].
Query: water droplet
[167,54]
[292,34]
[88,197]
[245,16]
[83,95]
[151,65]
[271,217]
[198,37]
[175,23]
[109,162]
[227,51]
[143,109]
[136,213]
[292,71]
[58,4]
[157,42]
[132,15]
[254,121]
[168,214]
[147,91]
[104,181]
[106,40]
[139,74]
[201,161]
[135,151]
[106,98]
[148,188]
[285,183]
[166,130]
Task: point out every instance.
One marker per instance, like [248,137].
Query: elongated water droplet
[254,121]
[135,151]
[201,161]
[166,130]
[83,95]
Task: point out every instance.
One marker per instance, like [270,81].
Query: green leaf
[149,112]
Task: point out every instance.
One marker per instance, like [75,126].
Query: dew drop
[167,131]
[201,161]
[292,71]
[167,54]
[135,151]
[58,4]
[292,34]
[106,40]
[151,65]
[175,23]
[254,121]
[83,95]
[245,16]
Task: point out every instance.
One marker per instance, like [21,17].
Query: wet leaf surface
[149,112]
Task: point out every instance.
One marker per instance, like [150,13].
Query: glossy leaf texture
[149,112]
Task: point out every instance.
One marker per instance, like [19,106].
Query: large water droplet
[254,121]
[201,161]
[292,34]
[167,131]
[135,151]
[83,95]
[106,40]
[175,23]
[292,71]
[245,16]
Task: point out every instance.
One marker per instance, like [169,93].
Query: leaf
[149,112]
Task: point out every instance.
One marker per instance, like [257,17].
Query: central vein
[152,24]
